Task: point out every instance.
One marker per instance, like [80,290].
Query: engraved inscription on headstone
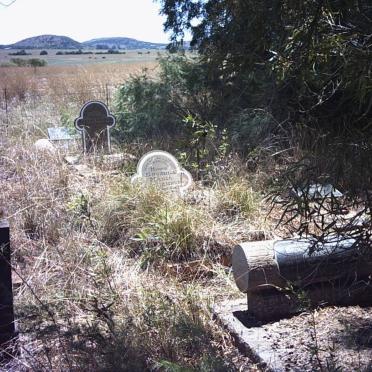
[163,170]
[94,123]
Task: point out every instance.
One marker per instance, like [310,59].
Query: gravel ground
[328,339]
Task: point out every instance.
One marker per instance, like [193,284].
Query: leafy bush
[174,110]
[144,109]
[20,53]
[36,62]
[32,62]
[156,107]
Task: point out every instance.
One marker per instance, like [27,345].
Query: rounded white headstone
[162,169]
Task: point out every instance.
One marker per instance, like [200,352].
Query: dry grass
[83,303]
[110,277]
[66,84]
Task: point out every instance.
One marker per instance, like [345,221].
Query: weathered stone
[61,137]
[318,191]
[44,145]
[59,134]
[278,275]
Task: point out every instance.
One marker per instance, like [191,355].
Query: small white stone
[44,145]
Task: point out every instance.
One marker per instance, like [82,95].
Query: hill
[121,43]
[47,42]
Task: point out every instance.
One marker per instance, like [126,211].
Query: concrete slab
[250,335]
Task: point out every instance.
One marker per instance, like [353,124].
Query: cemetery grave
[162,169]
[262,269]
[281,279]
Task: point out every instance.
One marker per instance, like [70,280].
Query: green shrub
[36,62]
[172,110]
[21,52]
[144,109]
[151,108]
[32,62]
[19,62]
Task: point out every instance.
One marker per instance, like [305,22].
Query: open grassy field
[72,79]
[130,56]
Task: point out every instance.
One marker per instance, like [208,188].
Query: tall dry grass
[109,277]
[66,83]
[92,292]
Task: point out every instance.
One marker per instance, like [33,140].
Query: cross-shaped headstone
[94,123]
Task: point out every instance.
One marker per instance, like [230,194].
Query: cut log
[284,276]
[254,266]
[301,262]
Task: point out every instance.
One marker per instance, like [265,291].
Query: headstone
[276,273]
[162,169]
[61,136]
[7,328]
[318,191]
[94,123]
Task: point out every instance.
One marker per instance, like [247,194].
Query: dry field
[69,83]
[130,56]
[109,277]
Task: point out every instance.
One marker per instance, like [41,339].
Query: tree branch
[9,4]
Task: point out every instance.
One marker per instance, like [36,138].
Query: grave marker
[318,191]
[7,328]
[163,170]
[333,272]
[61,136]
[94,123]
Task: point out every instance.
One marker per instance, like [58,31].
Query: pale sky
[82,20]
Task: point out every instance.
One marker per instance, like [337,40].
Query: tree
[308,57]
[7,4]
[307,66]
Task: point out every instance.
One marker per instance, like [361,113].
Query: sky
[81,20]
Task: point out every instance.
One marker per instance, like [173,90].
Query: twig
[9,4]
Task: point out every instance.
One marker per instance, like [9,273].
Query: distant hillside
[64,42]
[46,42]
[121,43]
